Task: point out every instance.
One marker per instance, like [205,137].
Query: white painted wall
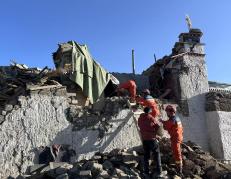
[219,129]
[41,121]
[194,85]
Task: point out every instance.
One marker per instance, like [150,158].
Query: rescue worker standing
[148,128]
[174,127]
[130,86]
[148,101]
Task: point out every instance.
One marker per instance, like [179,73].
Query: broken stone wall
[163,76]
[194,85]
[42,120]
[218,121]
[188,82]
[36,123]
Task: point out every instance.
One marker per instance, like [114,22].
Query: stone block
[16,107]
[120,173]
[75,170]
[107,165]
[46,92]
[60,168]
[61,92]
[129,157]
[131,160]
[176,177]
[74,101]
[85,174]
[8,107]
[4,113]
[104,174]
[23,101]
[2,119]
[96,157]
[63,176]
[95,168]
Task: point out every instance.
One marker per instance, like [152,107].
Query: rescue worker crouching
[129,86]
[148,101]
[174,127]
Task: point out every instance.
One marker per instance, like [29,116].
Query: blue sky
[31,30]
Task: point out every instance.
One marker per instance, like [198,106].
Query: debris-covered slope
[128,164]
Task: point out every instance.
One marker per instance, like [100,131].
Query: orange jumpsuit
[130,85]
[149,101]
[175,130]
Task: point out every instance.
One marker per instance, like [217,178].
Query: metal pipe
[133,62]
[155,57]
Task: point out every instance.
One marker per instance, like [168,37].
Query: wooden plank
[32,88]
[71,94]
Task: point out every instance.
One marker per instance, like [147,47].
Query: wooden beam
[34,87]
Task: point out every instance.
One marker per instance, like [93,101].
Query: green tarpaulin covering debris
[82,69]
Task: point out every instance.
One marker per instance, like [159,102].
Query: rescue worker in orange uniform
[130,86]
[148,101]
[174,127]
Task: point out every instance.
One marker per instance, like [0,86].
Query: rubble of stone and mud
[127,163]
[19,80]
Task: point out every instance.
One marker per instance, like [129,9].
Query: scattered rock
[119,163]
[2,119]
[4,113]
[107,165]
[85,174]
[8,107]
[63,176]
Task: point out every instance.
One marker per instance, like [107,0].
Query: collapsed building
[75,105]
[202,105]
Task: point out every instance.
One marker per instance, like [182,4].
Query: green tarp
[83,69]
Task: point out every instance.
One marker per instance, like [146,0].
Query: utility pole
[133,62]
[155,57]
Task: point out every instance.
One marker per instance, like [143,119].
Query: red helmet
[146,91]
[170,108]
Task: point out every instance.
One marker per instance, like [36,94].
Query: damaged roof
[79,65]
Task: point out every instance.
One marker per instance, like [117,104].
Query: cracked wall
[184,73]
[194,86]
[41,120]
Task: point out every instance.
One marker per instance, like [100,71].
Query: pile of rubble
[97,117]
[18,80]
[128,164]
[218,101]
[196,162]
